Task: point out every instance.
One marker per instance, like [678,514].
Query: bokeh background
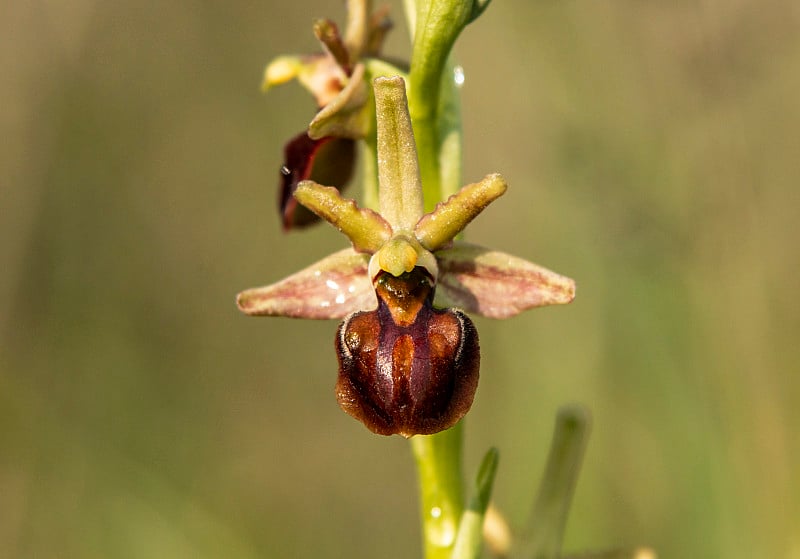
[653,152]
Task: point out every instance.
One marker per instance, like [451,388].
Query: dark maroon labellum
[407,368]
[328,161]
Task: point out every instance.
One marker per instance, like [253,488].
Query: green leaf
[470,531]
[550,512]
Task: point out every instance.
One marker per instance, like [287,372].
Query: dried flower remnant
[405,366]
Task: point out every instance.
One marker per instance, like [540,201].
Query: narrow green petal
[331,288]
[495,284]
[367,230]
[398,170]
[449,218]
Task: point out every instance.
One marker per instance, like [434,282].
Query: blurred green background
[653,153]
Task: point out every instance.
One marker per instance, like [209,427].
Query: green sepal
[400,187]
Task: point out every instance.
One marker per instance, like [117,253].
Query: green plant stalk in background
[549,516]
[432,97]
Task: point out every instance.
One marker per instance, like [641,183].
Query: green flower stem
[437,24]
[436,121]
[449,135]
[549,517]
[438,460]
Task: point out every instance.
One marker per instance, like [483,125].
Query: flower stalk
[437,24]
[438,461]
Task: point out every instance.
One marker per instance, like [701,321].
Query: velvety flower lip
[407,368]
[408,360]
[335,77]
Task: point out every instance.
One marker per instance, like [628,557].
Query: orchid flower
[336,77]
[408,354]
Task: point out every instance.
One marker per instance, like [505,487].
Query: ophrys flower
[408,359]
[336,77]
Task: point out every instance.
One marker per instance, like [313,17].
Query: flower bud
[407,368]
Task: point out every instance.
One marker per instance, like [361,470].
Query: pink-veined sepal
[334,287]
[495,284]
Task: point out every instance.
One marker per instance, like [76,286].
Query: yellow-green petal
[282,70]
[449,218]
[367,230]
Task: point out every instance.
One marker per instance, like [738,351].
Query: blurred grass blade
[549,518]
[470,530]
[638,553]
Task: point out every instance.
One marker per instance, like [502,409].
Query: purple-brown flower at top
[408,354]
[325,152]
